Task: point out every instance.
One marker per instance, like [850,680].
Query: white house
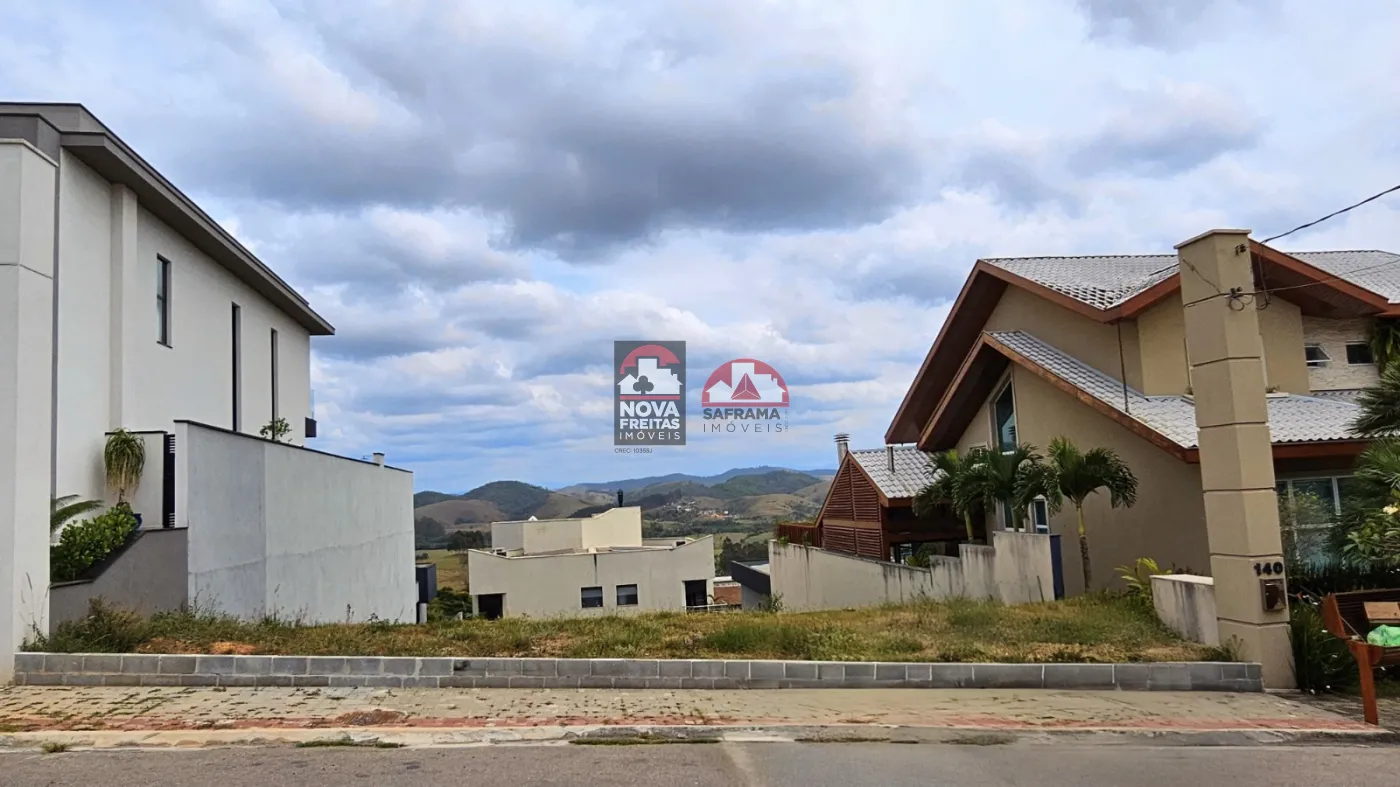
[596,565]
[124,305]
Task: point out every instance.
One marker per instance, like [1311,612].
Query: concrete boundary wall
[1186,604]
[107,669]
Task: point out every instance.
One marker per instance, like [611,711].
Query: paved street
[712,765]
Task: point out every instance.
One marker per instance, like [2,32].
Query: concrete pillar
[1237,469]
[28,184]
[125,286]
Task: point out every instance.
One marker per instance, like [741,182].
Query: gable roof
[1108,289]
[1167,421]
[910,473]
[71,127]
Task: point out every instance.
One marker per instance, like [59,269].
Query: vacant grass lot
[1086,629]
[451,567]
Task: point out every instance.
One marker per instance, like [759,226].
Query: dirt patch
[370,718]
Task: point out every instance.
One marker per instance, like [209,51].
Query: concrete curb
[838,733]
[110,669]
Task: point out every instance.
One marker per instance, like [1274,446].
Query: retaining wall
[105,669]
[1186,604]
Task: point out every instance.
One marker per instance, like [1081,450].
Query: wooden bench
[1344,614]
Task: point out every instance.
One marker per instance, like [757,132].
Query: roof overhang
[72,128]
[1312,289]
[986,365]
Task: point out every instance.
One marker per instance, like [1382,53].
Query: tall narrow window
[1004,415]
[163,301]
[236,348]
[274,374]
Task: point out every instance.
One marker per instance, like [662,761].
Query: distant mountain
[633,484]
[753,491]
[495,502]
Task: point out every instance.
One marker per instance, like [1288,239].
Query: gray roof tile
[1292,418]
[1106,281]
[910,474]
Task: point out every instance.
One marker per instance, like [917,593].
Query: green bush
[84,545]
[1320,660]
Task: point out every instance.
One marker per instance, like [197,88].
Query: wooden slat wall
[852,519]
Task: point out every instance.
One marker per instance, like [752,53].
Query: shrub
[105,629]
[1138,579]
[1320,660]
[87,543]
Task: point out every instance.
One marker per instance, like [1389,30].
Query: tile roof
[911,472]
[1106,281]
[1292,418]
[1344,394]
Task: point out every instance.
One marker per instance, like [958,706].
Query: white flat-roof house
[597,565]
[124,305]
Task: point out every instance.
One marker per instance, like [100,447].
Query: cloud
[1166,24]
[1164,132]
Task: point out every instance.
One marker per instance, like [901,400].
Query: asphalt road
[712,765]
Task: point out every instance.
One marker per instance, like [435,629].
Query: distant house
[597,565]
[124,305]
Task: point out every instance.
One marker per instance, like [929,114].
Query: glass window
[1040,515]
[1308,507]
[592,597]
[1315,356]
[163,301]
[1359,354]
[1004,414]
[626,596]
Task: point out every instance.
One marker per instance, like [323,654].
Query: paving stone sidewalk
[38,709]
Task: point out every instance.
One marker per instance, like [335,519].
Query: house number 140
[1268,569]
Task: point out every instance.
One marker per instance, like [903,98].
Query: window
[1359,354]
[1004,419]
[1040,515]
[236,350]
[163,301]
[1317,358]
[592,597]
[626,596]
[1308,507]
[274,374]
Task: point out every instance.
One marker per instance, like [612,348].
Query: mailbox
[1275,595]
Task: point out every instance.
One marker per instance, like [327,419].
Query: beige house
[597,565]
[1094,349]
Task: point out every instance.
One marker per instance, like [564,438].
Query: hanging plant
[124,459]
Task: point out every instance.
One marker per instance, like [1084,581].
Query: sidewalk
[128,716]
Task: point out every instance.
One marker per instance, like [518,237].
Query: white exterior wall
[275,529]
[550,585]
[27,187]
[1334,336]
[112,370]
[1016,569]
[616,527]
[1186,604]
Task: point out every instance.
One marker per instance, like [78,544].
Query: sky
[483,196]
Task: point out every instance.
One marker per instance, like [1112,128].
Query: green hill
[778,482]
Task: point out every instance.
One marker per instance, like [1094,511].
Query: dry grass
[451,568]
[1086,629]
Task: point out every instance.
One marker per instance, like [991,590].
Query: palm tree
[63,509]
[950,488]
[1380,405]
[1013,478]
[1385,342]
[1078,474]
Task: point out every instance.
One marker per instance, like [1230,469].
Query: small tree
[1013,478]
[124,459]
[1078,474]
[951,488]
[275,429]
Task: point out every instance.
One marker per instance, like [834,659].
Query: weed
[637,740]
[986,739]
[54,747]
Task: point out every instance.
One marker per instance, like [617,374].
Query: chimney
[843,441]
[889,456]
[379,458]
